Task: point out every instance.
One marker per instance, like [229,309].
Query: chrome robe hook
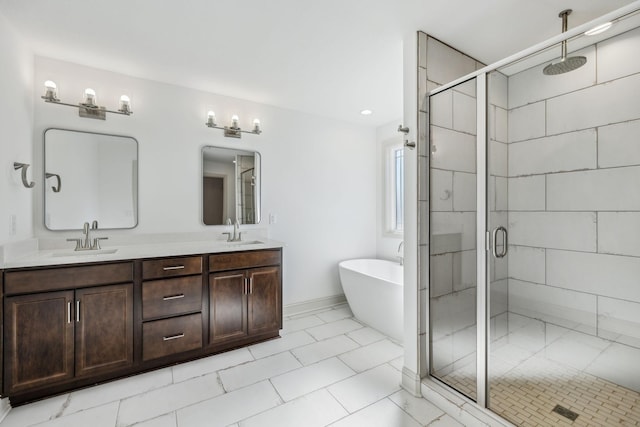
[24,167]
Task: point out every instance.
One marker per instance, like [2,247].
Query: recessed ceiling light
[366,112]
[599,29]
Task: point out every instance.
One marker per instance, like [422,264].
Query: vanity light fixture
[234,130]
[88,107]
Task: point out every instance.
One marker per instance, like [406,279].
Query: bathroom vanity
[71,325]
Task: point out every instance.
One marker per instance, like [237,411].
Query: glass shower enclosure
[534,252]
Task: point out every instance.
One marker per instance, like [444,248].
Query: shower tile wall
[574,198]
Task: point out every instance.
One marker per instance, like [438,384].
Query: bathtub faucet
[401,248]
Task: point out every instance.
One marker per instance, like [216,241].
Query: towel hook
[55,189]
[24,167]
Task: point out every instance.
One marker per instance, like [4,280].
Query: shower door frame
[483,238]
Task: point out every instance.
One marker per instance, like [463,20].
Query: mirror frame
[258,210]
[136,204]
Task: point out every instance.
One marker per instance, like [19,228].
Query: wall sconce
[234,130]
[88,108]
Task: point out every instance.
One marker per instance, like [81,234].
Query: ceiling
[331,58]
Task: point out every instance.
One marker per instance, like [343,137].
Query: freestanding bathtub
[374,291]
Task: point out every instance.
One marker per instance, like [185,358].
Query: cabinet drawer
[170,267]
[55,279]
[170,336]
[169,297]
[239,260]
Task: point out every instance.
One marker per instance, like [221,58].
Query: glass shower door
[453,243]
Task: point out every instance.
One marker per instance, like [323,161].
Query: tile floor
[537,366]
[327,369]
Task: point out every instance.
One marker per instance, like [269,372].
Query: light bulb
[51,91]
[234,121]
[211,119]
[125,104]
[89,96]
[256,126]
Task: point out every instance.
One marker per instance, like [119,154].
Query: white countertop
[37,258]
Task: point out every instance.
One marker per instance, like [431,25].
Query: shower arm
[564,14]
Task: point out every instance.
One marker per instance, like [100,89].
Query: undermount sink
[243,243]
[85,253]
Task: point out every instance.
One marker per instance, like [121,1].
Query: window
[395,189]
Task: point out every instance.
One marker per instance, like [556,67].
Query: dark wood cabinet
[244,302]
[39,340]
[227,306]
[104,329]
[58,336]
[72,326]
[264,301]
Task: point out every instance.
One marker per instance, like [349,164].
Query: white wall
[16,117]
[318,175]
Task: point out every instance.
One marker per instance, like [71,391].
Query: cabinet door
[39,340]
[265,303]
[228,306]
[104,329]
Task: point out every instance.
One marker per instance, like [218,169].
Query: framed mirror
[89,177]
[230,186]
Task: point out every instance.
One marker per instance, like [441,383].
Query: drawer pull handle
[173,337]
[176,267]
[170,297]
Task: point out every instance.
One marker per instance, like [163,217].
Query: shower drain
[567,413]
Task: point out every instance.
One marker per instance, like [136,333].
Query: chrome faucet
[86,244]
[237,234]
[401,248]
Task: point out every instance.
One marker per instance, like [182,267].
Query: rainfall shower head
[565,64]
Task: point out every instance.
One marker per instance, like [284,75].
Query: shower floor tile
[527,393]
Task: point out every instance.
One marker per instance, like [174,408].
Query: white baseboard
[411,382]
[314,304]
[5,407]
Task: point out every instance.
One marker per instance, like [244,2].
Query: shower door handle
[494,244]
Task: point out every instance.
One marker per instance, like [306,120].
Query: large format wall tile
[527,122]
[608,275]
[441,190]
[498,158]
[453,150]
[441,109]
[454,223]
[527,193]
[619,232]
[598,190]
[532,85]
[464,113]
[464,191]
[498,89]
[618,144]
[527,263]
[559,230]
[560,153]
[575,310]
[618,57]
[619,320]
[599,105]
[451,64]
